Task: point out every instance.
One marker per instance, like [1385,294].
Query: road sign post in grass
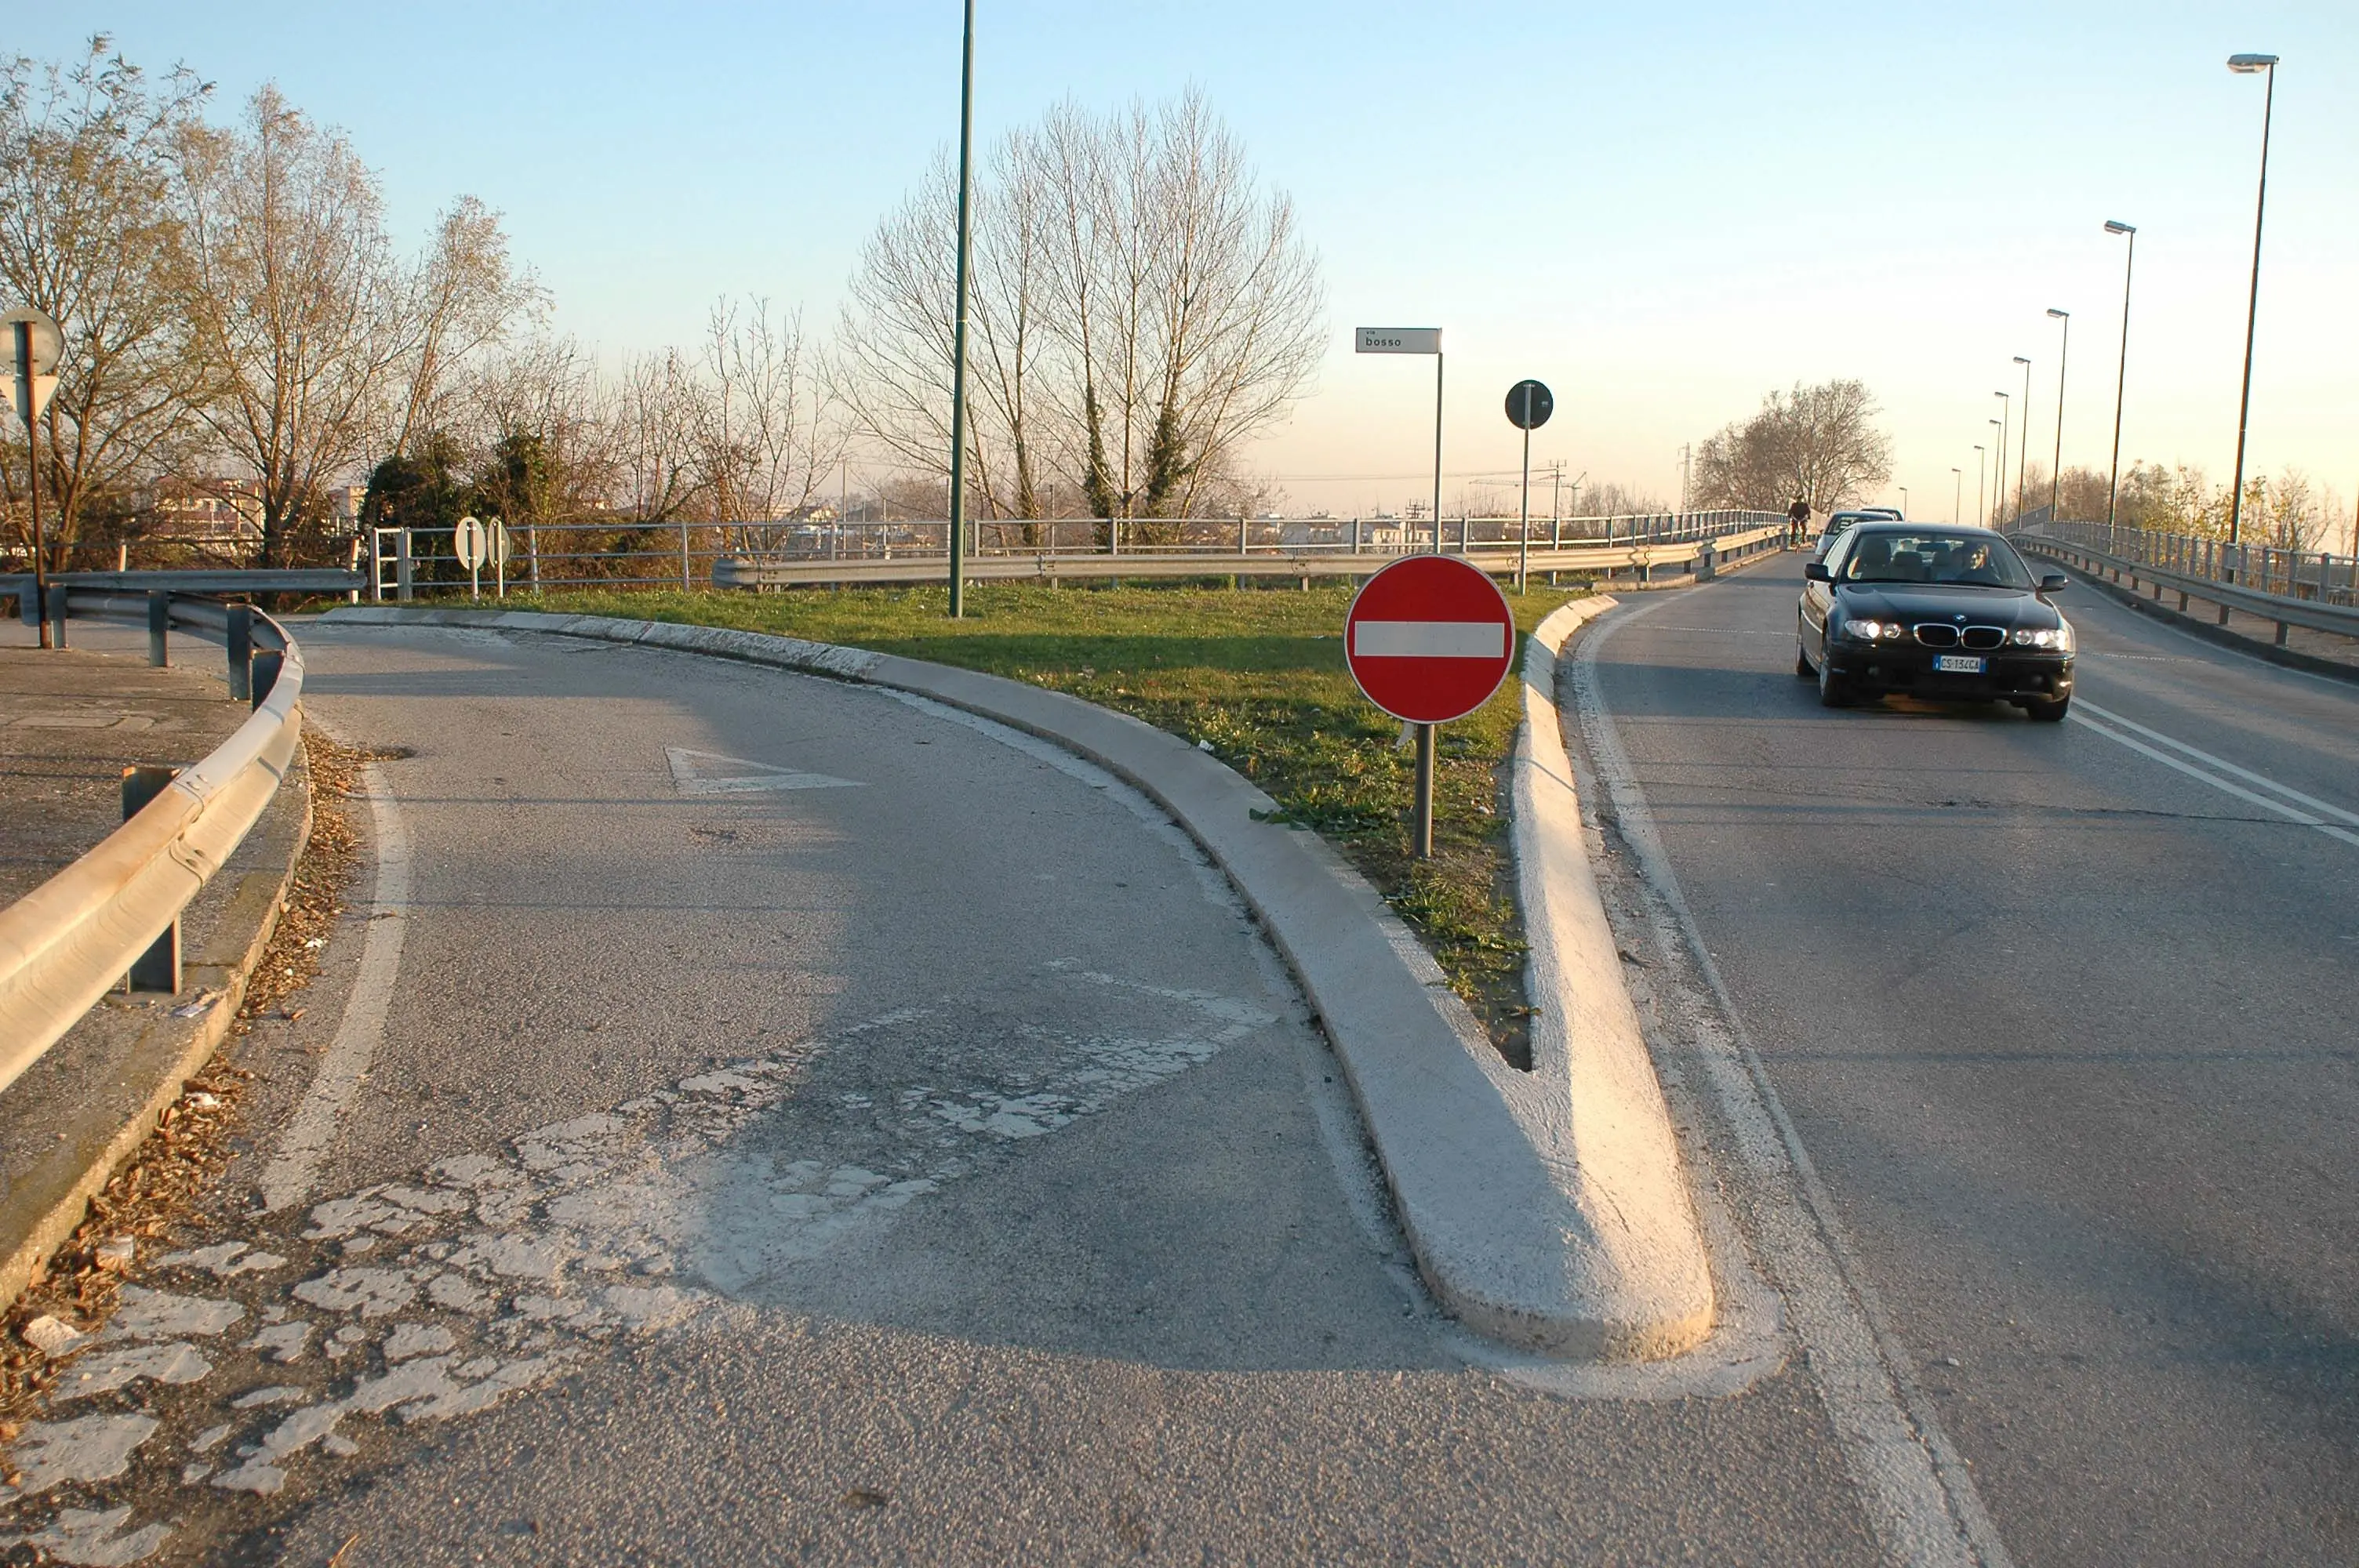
[1428,639]
[1413,340]
[1528,406]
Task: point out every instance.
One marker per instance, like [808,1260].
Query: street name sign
[1428,639]
[1397,340]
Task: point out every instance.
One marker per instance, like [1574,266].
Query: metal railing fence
[2319,575]
[406,563]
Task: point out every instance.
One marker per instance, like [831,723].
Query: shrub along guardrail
[406,563]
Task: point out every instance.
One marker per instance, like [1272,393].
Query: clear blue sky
[1663,211]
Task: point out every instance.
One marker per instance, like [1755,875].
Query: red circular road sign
[1429,638]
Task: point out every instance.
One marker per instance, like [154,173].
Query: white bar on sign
[1397,340]
[1428,640]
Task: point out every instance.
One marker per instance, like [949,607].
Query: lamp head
[2114,226]
[2059,315]
[2246,64]
[2021,361]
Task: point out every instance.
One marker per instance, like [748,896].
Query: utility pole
[1687,475]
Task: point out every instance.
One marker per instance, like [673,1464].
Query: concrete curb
[1484,1163]
[1653,1273]
[40,1211]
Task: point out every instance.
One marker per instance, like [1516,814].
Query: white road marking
[483,1275]
[697,772]
[2082,707]
[1428,640]
[345,1068]
[1917,1491]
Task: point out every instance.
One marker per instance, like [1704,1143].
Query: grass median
[1259,675]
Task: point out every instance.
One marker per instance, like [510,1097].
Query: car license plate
[1958,663]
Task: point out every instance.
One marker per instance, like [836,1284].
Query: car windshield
[1960,559]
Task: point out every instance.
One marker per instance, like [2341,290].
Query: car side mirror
[1817,572]
[2054,582]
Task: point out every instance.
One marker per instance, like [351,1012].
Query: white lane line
[2290,813]
[2223,764]
[293,1169]
[1917,1491]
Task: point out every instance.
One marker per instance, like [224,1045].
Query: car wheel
[1835,690]
[1802,660]
[2046,711]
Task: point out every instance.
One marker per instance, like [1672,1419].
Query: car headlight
[1874,630]
[2056,637]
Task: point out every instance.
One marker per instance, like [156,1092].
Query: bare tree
[1141,309]
[760,447]
[462,299]
[1818,442]
[86,234]
[322,343]
[650,421]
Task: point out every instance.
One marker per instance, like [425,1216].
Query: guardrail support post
[158,968]
[405,565]
[56,614]
[241,652]
[159,627]
[265,667]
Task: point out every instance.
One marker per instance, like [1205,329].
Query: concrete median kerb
[1546,1209]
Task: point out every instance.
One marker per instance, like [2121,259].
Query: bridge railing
[2319,575]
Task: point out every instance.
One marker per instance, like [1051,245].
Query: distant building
[222,513]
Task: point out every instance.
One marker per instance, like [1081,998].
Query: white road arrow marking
[709,772]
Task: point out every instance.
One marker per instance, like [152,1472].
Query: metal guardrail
[2297,574]
[67,943]
[1702,554]
[2285,610]
[406,564]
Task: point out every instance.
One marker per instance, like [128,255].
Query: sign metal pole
[33,479]
[958,350]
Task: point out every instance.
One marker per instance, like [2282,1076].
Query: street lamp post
[2245,65]
[1904,501]
[1982,464]
[2022,439]
[2056,474]
[1957,491]
[2129,264]
[958,334]
[1998,474]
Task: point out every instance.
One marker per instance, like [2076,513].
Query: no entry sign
[1429,638]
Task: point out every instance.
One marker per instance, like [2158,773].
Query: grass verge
[1258,673]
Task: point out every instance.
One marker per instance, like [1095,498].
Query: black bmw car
[1947,613]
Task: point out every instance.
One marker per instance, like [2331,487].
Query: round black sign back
[1529,405]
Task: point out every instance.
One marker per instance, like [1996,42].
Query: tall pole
[1982,462]
[2252,307]
[1998,474]
[2022,439]
[2056,472]
[33,480]
[2129,264]
[1957,491]
[1437,460]
[958,350]
[1904,501]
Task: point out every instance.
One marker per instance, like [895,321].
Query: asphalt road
[2062,1016]
[746,1118]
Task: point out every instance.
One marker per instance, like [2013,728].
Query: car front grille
[1941,634]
